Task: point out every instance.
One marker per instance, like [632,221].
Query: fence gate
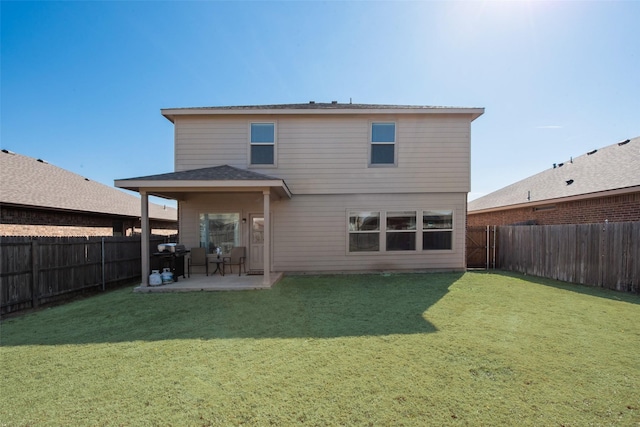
[481,247]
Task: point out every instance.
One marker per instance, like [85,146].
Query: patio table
[219,264]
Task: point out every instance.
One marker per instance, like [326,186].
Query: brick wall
[52,231]
[613,208]
[16,221]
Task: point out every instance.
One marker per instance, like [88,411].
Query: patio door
[256,242]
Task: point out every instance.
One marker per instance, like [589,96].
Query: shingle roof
[318,106]
[32,182]
[214,173]
[614,167]
[214,178]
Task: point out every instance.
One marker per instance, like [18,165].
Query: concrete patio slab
[201,282]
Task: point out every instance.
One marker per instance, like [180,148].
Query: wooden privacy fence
[38,270]
[604,255]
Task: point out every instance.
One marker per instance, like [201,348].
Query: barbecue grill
[171,247]
[170,255]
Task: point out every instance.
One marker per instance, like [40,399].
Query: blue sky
[82,83]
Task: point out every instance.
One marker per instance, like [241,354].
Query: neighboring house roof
[221,178]
[322,108]
[26,181]
[612,169]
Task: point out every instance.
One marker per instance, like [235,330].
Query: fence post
[603,253]
[102,256]
[494,247]
[35,274]
[487,243]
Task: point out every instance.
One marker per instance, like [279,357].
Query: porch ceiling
[220,179]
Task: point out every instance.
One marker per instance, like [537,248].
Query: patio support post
[144,237]
[267,237]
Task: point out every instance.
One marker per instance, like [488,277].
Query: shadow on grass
[573,287]
[299,306]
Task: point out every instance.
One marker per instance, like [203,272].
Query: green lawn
[410,349]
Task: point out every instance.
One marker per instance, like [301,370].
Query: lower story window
[437,229]
[219,230]
[401,231]
[364,231]
[396,231]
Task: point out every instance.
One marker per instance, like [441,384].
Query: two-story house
[321,187]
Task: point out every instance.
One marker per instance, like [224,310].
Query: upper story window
[383,143]
[263,143]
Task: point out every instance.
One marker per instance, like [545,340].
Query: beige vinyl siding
[310,233]
[329,154]
[201,142]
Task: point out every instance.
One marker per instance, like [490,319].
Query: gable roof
[612,168]
[321,108]
[215,178]
[35,183]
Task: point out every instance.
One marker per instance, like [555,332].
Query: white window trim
[275,145]
[382,250]
[395,144]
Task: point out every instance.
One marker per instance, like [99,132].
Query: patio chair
[198,258]
[236,257]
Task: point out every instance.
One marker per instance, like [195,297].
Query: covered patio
[224,183]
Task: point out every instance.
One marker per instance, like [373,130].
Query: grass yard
[409,349]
